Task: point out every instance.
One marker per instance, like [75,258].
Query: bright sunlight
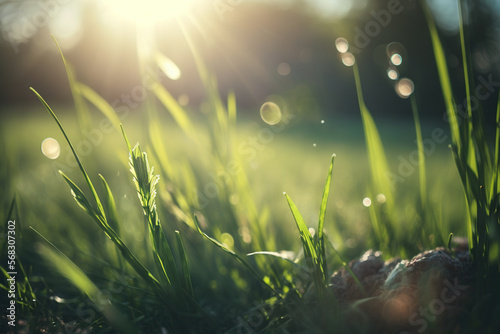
[148,11]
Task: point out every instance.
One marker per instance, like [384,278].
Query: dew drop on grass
[404,88]
[348,59]
[367,201]
[392,74]
[270,113]
[396,59]
[312,231]
[342,45]
[51,148]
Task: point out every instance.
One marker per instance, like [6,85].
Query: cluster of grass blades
[169,280]
[478,171]
[173,287]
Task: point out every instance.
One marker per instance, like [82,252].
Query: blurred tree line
[256,49]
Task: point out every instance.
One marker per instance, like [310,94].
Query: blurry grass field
[293,160]
[203,248]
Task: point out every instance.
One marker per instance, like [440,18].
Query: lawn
[278,215]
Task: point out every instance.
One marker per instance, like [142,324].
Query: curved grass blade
[310,254]
[233,254]
[98,214]
[100,103]
[81,109]
[175,109]
[324,199]
[322,213]
[376,154]
[185,267]
[421,155]
[78,278]
[100,209]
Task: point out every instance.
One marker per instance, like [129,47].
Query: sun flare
[148,11]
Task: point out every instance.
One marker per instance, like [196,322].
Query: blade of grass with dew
[185,267]
[376,154]
[321,221]
[233,254]
[101,104]
[444,77]
[310,254]
[81,110]
[78,278]
[421,155]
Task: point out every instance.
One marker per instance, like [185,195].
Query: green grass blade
[178,113]
[78,278]
[146,182]
[185,267]
[321,221]
[233,254]
[444,78]
[495,186]
[110,204]
[311,256]
[305,235]
[100,208]
[79,196]
[376,154]
[421,155]
[324,200]
[81,110]
[101,104]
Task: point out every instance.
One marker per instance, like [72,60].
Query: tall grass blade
[185,267]
[81,110]
[421,155]
[99,216]
[310,254]
[101,104]
[100,210]
[321,221]
[376,154]
[175,110]
[233,254]
[444,77]
[78,278]
[495,186]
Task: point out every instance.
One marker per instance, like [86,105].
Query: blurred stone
[402,295]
